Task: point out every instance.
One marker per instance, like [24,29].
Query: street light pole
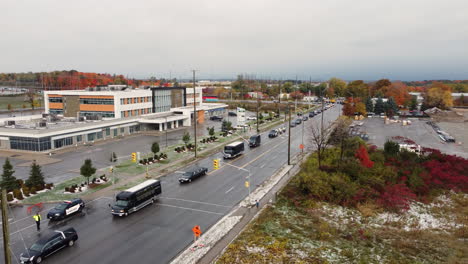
[166,131]
[289,136]
[258,105]
[194,113]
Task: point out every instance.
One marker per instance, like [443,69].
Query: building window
[122,130]
[128,100]
[107,131]
[55,112]
[91,136]
[97,101]
[79,138]
[115,132]
[99,135]
[97,113]
[59,143]
[55,100]
[34,144]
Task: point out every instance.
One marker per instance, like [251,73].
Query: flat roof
[141,185]
[233,144]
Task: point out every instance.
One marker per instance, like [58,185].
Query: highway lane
[159,232]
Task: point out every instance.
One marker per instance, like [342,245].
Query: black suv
[232,114]
[66,209]
[193,174]
[216,118]
[273,133]
[49,244]
[298,121]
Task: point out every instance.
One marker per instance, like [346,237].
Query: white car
[251,118]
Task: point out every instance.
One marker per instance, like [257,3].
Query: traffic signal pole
[289,136]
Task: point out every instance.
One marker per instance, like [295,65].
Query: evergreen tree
[155,147]
[186,138]
[379,106]
[9,181]
[391,107]
[36,177]
[87,170]
[369,105]
[414,103]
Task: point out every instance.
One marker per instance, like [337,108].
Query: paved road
[159,232]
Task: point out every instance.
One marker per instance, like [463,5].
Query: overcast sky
[350,39]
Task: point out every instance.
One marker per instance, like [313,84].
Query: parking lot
[418,131]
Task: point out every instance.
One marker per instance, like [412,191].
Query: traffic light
[134,156]
[216,164]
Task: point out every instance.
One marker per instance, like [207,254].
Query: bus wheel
[126,214]
[152,201]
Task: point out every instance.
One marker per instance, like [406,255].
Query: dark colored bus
[137,197]
[233,150]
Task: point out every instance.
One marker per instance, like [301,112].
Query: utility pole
[295,104]
[289,136]
[194,113]
[258,106]
[6,231]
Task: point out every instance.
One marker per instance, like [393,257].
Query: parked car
[273,134]
[293,124]
[190,175]
[66,209]
[216,118]
[255,141]
[283,129]
[232,114]
[251,118]
[305,118]
[298,121]
[49,244]
[311,114]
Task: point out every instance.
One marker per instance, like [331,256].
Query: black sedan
[66,209]
[190,175]
[216,118]
[273,134]
[49,244]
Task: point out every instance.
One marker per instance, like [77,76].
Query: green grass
[16,102]
[56,194]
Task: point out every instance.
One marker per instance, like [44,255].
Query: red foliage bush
[396,197]
[363,156]
[448,172]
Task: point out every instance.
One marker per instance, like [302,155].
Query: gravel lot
[419,132]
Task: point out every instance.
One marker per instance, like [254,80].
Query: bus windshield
[121,203]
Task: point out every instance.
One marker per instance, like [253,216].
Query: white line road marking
[263,166]
[190,201]
[203,211]
[230,189]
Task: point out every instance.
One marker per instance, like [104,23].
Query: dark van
[135,198]
[255,141]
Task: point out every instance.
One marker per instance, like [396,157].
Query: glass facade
[58,143]
[56,111]
[34,144]
[79,138]
[107,131]
[98,101]
[162,100]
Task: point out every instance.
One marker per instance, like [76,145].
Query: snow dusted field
[435,232]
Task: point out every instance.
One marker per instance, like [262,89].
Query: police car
[66,209]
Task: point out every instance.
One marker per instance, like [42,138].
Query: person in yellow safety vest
[37,218]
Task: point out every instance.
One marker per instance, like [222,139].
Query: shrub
[94,180]
[26,193]
[396,197]
[20,183]
[49,186]
[72,189]
[141,162]
[67,189]
[150,159]
[25,189]
[145,161]
[33,190]
[9,197]
[18,194]
[79,189]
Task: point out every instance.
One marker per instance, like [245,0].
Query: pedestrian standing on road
[257,203]
[37,218]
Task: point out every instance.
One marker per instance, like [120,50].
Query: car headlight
[32,258]
[121,211]
[57,214]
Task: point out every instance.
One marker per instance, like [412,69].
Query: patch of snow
[198,249]
[255,249]
[340,215]
[419,216]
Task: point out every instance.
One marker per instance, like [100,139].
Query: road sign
[301,146]
[196,230]
[247,184]
[216,164]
